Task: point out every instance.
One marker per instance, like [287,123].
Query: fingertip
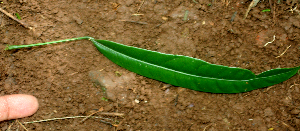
[17,106]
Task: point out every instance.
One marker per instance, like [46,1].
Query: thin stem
[11,47]
[70,117]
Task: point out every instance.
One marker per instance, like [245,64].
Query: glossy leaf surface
[189,72]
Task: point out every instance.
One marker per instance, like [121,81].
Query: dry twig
[101,109]
[137,14]
[270,41]
[272,10]
[112,114]
[138,22]
[268,88]
[15,19]
[140,6]
[62,118]
[270,2]
[252,4]
[22,125]
[8,129]
[283,52]
[293,9]
[294,85]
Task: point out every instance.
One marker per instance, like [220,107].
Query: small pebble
[78,20]
[164,18]
[295,111]
[191,105]
[268,112]
[167,91]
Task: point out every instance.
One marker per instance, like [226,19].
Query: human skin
[17,106]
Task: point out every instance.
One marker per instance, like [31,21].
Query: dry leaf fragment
[252,4]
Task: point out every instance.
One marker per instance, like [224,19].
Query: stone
[78,20]
[257,121]
[295,111]
[113,85]
[238,108]
[268,112]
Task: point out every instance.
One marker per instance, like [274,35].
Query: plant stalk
[11,47]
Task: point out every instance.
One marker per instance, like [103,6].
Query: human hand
[17,106]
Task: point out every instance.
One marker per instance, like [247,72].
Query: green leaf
[18,16]
[189,72]
[184,71]
[104,99]
[266,10]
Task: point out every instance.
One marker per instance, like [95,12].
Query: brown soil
[58,75]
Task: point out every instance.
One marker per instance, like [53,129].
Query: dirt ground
[62,76]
